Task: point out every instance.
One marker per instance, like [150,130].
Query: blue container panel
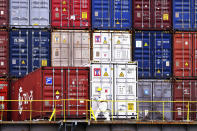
[195,14]
[142,54]
[162,55]
[40,49]
[121,16]
[18,52]
[101,14]
[182,14]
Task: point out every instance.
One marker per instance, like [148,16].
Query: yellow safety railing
[60,110]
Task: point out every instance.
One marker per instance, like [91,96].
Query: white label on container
[1,97]
[177,14]
[72,17]
[13,61]
[138,43]
[167,63]
[2,63]
[2,12]
[146,112]
[81,101]
[186,42]
[179,111]
[96,13]
[139,14]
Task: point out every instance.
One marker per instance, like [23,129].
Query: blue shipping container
[185,14]
[152,50]
[111,14]
[29,50]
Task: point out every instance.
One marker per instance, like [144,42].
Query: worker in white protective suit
[102,104]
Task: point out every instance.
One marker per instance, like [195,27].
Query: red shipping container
[185,55]
[185,90]
[4,13]
[152,14]
[4,48]
[71,14]
[3,96]
[52,83]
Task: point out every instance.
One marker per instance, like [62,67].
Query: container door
[39,13]
[182,92]
[182,14]
[3,96]
[194,98]
[40,49]
[143,54]
[162,14]
[4,12]
[183,55]
[145,94]
[60,13]
[162,55]
[101,14]
[77,93]
[101,77]
[80,13]
[19,12]
[121,47]
[125,90]
[19,42]
[162,91]
[102,46]
[142,14]
[121,16]
[81,48]
[4,53]
[61,51]
[53,92]
[194,55]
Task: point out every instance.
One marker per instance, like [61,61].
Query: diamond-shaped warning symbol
[64,2]
[158,71]
[138,6]
[121,74]
[57,92]
[146,44]
[118,42]
[23,62]
[105,42]
[106,74]
[117,22]
[64,40]
[186,64]
[64,9]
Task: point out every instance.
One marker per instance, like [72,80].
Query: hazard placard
[106,74]
[158,71]
[165,16]
[118,42]
[186,64]
[121,74]
[146,44]
[84,15]
[130,106]
[44,62]
[57,92]
[23,62]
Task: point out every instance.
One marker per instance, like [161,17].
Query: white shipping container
[119,83]
[70,48]
[112,46]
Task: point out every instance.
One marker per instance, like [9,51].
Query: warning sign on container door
[48,81]
[97,71]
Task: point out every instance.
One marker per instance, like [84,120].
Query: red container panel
[152,14]
[185,55]
[185,90]
[3,96]
[71,14]
[52,84]
[4,48]
[4,13]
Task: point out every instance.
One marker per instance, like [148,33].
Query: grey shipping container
[29,13]
[155,90]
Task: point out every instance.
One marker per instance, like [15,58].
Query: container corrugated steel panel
[71,83]
[71,14]
[70,48]
[4,17]
[111,14]
[4,55]
[185,55]
[155,90]
[152,14]
[152,50]
[185,90]
[29,13]
[4,86]
[119,82]
[29,50]
[184,14]
[111,46]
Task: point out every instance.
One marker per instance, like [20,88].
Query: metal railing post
[64,110]
[163,111]
[137,110]
[188,112]
[30,110]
